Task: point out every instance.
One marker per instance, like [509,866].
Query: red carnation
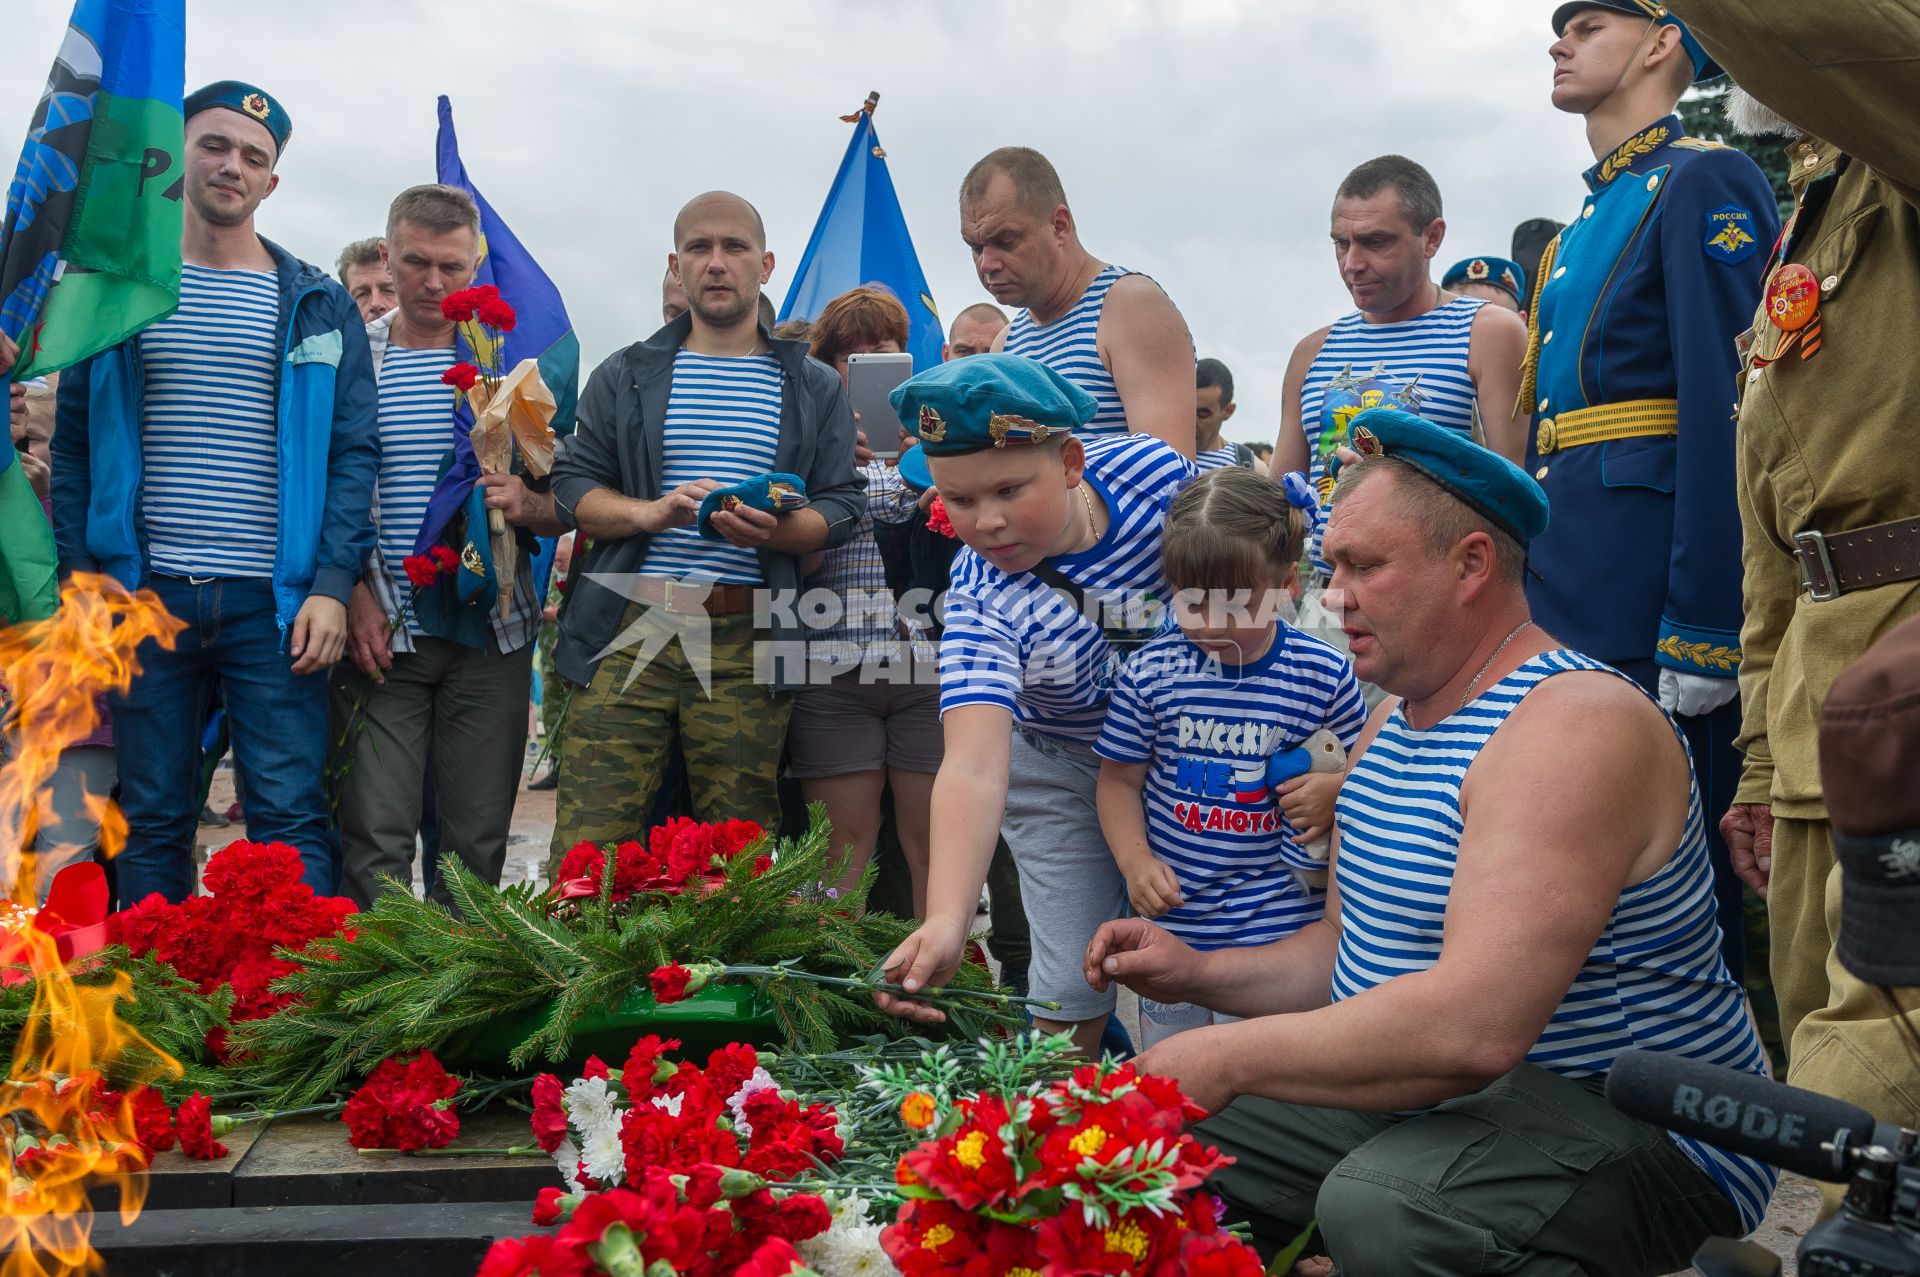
[194,1121]
[444,556]
[730,1066]
[405,1104]
[495,313]
[549,1112]
[938,519]
[461,376]
[152,1120]
[642,1071]
[547,1207]
[421,570]
[249,871]
[458,306]
[670,983]
[518,1257]
[776,1257]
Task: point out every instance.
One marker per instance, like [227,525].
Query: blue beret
[1498,271]
[254,103]
[989,401]
[1485,480]
[912,469]
[1704,67]
[770,492]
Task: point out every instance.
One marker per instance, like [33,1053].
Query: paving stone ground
[1794,1208]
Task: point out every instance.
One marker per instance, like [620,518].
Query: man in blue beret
[225,457]
[1630,376]
[1521,892]
[1058,580]
[1493,279]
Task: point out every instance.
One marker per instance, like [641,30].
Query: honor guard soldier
[1630,374]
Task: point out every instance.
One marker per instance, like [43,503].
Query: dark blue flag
[541,331]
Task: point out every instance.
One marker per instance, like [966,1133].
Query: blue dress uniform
[1632,362]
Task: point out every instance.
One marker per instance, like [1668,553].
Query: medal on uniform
[1793,306]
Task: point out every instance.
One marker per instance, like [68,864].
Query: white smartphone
[870,379]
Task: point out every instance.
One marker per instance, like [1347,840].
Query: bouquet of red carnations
[678,856]
[257,905]
[673,1163]
[1094,1174]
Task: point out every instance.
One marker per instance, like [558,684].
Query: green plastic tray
[703,1021]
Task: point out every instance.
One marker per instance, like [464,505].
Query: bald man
[974,331]
[711,400]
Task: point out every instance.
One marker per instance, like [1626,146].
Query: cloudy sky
[1200,141]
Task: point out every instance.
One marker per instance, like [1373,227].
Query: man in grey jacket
[663,635]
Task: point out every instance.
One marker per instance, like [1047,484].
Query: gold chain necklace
[1093,528]
[1468,693]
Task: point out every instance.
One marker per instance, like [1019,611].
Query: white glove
[1691,695]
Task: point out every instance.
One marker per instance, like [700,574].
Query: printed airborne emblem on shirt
[1729,234]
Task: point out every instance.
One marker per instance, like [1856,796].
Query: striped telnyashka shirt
[209,440]
[1070,346]
[723,422]
[1654,979]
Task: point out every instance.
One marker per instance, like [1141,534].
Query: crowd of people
[1409,769]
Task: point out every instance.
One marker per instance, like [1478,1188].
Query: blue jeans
[277,721]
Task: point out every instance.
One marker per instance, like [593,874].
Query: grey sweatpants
[1069,882]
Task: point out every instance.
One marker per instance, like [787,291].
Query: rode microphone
[1813,1135]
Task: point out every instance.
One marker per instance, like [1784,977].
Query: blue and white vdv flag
[861,238]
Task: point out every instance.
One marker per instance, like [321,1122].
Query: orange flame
[53,672]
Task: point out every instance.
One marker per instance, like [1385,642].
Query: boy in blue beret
[1059,579]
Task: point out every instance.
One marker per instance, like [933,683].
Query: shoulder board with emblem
[1700,144]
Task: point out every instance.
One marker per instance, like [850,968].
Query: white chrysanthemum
[567,1159]
[590,1107]
[848,1251]
[604,1156]
[668,1103]
[848,1209]
[760,1080]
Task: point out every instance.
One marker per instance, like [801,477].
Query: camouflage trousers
[621,728]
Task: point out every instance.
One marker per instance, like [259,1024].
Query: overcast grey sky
[1199,141]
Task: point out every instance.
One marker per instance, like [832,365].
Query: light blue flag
[861,238]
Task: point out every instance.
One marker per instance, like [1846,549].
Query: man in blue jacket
[224,457]
[1630,376]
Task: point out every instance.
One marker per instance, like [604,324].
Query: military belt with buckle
[695,598]
[1840,563]
[1635,419]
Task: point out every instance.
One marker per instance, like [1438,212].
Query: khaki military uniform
[1828,444]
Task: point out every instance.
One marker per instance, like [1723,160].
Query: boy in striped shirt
[1062,564]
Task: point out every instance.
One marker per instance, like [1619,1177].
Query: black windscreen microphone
[1740,1112]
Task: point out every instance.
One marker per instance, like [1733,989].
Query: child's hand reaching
[1307,802]
[1152,887]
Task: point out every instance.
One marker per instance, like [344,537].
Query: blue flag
[861,238]
[541,331]
[90,245]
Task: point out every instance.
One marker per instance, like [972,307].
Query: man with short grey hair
[422,688]
[364,274]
